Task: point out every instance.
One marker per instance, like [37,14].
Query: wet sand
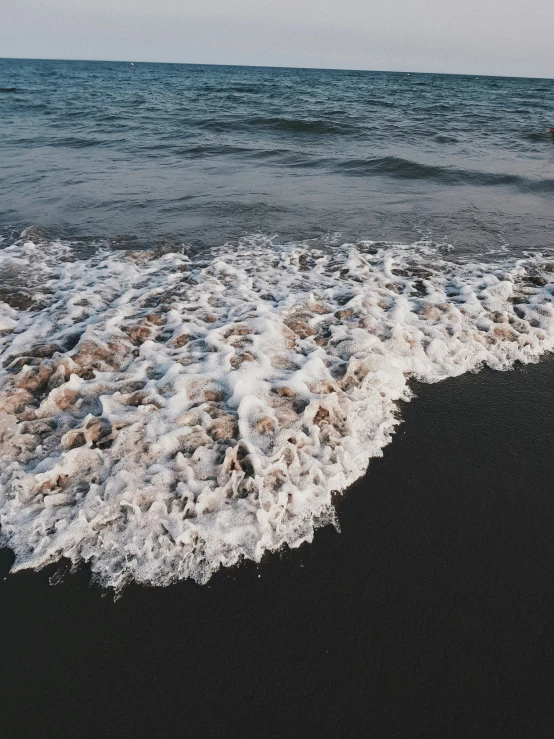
[430,614]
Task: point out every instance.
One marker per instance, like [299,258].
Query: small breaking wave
[284,125]
[399,168]
[163,415]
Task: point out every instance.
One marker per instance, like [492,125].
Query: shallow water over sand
[163,414]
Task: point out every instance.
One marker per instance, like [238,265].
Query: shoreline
[429,615]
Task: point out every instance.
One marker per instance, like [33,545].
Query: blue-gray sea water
[205,154]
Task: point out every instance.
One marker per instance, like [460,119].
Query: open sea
[219,289]
[208,154]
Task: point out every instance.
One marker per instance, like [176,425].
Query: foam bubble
[162,416]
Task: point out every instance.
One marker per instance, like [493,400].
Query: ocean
[206,155]
[223,290]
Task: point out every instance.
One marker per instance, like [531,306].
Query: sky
[502,37]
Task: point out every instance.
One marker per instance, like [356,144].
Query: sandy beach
[429,615]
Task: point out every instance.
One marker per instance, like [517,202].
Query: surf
[164,413]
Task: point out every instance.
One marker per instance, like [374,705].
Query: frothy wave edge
[162,416]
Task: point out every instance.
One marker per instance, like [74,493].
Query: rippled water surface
[206,153]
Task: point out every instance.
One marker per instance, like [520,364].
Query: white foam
[206,412]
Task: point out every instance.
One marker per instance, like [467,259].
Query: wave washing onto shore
[162,416]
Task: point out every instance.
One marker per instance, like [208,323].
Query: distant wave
[408,169]
[285,125]
[299,125]
[209,150]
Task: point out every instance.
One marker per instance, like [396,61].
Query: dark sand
[430,615]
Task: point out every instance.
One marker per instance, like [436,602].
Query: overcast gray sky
[506,37]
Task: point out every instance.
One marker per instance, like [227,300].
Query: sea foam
[163,415]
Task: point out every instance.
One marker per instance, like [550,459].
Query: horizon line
[271,66]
